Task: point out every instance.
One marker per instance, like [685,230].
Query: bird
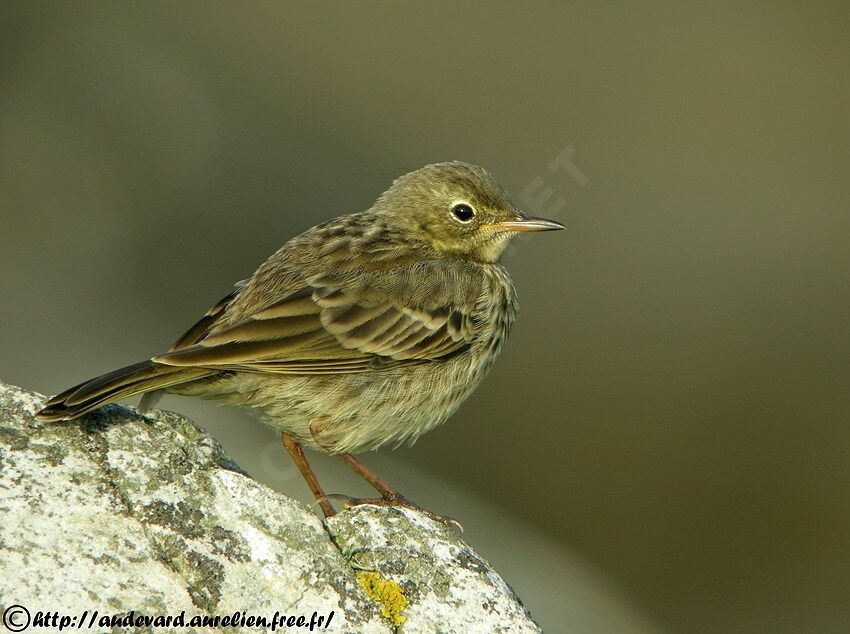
[365,331]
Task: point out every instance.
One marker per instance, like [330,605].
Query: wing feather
[332,325]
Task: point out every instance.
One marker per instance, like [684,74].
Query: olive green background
[672,410]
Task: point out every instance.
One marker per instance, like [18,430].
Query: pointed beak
[525,223]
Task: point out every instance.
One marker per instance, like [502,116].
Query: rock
[432,579]
[125,511]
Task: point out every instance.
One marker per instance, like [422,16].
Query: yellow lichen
[386,592]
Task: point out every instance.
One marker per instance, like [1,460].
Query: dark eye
[463,212]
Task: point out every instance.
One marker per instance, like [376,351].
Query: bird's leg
[381,486]
[389,495]
[293,447]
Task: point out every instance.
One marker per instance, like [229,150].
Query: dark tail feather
[138,378]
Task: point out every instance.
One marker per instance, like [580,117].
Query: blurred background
[664,443]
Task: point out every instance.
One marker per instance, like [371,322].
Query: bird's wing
[354,322]
[202,327]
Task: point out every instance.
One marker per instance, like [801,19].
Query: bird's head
[458,209]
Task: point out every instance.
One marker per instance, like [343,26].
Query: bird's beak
[525,223]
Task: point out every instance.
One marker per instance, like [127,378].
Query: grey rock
[447,586]
[127,511]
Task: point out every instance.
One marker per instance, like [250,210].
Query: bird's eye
[463,212]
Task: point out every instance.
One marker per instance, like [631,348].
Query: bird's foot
[395,500]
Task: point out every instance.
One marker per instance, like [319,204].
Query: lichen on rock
[387,593]
[447,586]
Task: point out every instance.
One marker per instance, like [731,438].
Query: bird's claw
[398,501]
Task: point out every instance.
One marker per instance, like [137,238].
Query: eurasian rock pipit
[367,330]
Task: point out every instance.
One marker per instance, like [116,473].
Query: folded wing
[351,323]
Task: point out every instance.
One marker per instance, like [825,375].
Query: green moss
[387,593]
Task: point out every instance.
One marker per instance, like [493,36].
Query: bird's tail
[139,378]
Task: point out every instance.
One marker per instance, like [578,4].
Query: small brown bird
[364,331]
